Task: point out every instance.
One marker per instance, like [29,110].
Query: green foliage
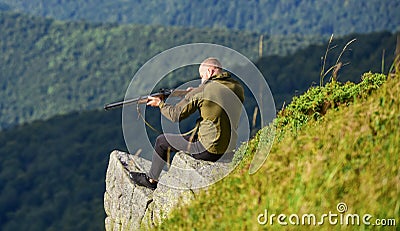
[50,67]
[264,16]
[350,156]
[295,73]
[315,102]
[52,172]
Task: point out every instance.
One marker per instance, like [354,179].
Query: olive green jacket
[219,102]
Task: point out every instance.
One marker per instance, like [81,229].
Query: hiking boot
[141,179]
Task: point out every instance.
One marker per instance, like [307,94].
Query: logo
[186,56]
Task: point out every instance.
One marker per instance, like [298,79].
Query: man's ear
[210,72]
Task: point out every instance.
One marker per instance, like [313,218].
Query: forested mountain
[50,67]
[52,172]
[322,17]
[84,55]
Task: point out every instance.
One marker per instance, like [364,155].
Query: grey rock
[195,174]
[130,207]
[124,203]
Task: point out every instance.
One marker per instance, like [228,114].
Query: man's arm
[181,110]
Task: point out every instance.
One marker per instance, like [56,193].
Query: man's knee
[161,140]
[161,146]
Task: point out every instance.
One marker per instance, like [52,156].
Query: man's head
[209,68]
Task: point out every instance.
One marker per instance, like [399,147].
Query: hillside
[349,156]
[272,17]
[52,172]
[293,74]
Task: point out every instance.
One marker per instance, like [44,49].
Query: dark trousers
[168,143]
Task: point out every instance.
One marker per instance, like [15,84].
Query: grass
[349,154]
[315,102]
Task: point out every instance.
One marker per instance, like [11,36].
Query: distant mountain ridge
[322,17]
[50,67]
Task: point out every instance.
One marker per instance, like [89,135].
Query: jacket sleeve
[183,109]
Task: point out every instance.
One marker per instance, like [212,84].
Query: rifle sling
[192,132]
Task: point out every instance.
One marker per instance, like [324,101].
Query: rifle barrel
[122,103]
[143,99]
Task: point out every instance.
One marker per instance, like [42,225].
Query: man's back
[219,101]
[220,109]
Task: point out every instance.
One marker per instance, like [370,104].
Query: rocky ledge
[131,207]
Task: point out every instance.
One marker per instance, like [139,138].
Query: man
[215,130]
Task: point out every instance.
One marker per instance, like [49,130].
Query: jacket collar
[223,75]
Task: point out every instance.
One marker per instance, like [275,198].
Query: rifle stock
[163,94]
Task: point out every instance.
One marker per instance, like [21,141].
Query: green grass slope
[349,155]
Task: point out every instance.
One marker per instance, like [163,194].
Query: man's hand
[153,101]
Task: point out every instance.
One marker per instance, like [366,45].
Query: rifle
[163,94]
